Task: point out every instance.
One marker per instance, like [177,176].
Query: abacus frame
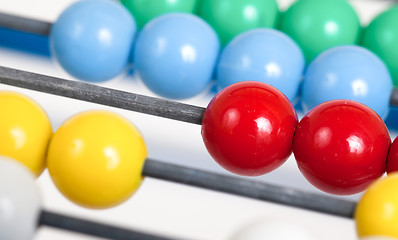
[161,108]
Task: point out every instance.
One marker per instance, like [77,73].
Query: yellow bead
[96,158]
[377,211]
[25,130]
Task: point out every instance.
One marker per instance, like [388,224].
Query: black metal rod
[249,188]
[101,95]
[111,97]
[92,228]
[25,24]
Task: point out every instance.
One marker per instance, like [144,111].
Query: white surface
[280,229]
[161,207]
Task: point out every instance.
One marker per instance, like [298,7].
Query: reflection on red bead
[248,128]
[341,147]
[392,162]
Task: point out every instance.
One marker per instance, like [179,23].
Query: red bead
[392,162]
[341,147]
[248,128]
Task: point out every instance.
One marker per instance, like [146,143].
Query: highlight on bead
[319,25]
[263,55]
[377,211]
[96,158]
[20,201]
[25,130]
[381,37]
[230,18]
[348,72]
[248,128]
[341,147]
[92,39]
[175,55]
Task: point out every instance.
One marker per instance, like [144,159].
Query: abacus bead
[318,25]
[19,201]
[392,161]
[230,18]
[248,128]
[145,10]
[377,211]
[381,37]
[175,55]
[341,147]
[25,130]
[92,39]
[263,55]
[348,72]
[95,159]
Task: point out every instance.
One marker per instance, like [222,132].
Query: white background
[161,207]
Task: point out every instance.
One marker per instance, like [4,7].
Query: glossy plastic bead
[381,37]
[263,55]
[318,25]
[348,72]
[19,201]
[25,130]
[341,147]
[175,55]
[377,211]
[145,10]
[392,162]
[230,18]
[92,39]
[273,229]
[95,159]
[248,128]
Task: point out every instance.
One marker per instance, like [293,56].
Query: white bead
[275,230]
[19,201]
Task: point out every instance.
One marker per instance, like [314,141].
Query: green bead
[317,25]
[145,10]
[381,37]
[231,17]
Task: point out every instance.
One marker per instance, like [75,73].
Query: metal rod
[101,95]
[111,97]
[92,228]
[249,188]
[25,24]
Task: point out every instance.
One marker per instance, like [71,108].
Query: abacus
[191,114]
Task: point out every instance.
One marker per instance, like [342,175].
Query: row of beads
[341,147]
[175,54]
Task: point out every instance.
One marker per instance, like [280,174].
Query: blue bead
[92,39]
[263,55]
[348,72]
[175,55]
